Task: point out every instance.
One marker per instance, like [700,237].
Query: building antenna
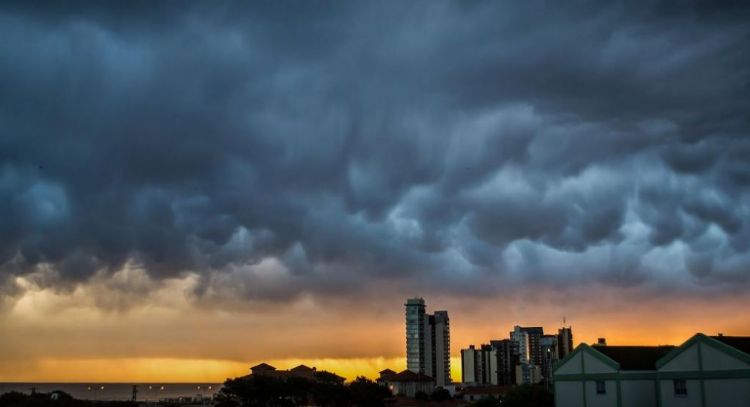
[563,320]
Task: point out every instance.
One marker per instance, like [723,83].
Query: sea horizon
[112,391]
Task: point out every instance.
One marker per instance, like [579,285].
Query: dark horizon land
[188,189]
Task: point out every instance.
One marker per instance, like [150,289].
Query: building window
[601,387]
[680,388]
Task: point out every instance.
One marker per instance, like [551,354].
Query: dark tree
[421,396]
[255,391]
[440,394]
[364,392]
[528,396]
[487,402]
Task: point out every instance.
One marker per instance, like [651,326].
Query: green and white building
[703,372]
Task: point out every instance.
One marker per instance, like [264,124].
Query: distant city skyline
[188,188]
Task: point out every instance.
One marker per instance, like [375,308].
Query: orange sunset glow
[176,341]
[374,204]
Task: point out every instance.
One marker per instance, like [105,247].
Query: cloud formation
[279,150]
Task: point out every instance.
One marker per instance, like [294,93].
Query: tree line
[325,391]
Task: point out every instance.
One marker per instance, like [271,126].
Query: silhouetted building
[438,348]
[564,341]
[535,334]
[526,343]
[301,371]
[521,347]
[506,361]
[427,342]
[527,373]
[406,383]
[478,366]
[550,356]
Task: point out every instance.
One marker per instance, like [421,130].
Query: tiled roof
[635,357]
[409,376]
[301,368]
[263,366]
[741,343]
[387,371]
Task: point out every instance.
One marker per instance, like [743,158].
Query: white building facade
[706,371]
[703,372]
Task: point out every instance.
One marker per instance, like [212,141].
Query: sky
[189,188]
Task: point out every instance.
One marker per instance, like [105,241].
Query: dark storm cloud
[278,149]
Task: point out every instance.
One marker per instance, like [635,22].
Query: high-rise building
[564,341]
[526,344]
[549,355]
[428,342]
[479,366]
[521,345]
[535,334]
[470,366]
[439,350]
[506,361]
[415,335]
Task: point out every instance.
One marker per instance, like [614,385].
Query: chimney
[721,334]
[601,342]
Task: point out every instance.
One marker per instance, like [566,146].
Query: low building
[406,383]
[705,371]
[601,376]
[527,373]
[301,371]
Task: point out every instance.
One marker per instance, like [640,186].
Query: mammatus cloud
[273,153]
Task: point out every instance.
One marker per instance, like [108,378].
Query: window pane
[601,387]
[680,387]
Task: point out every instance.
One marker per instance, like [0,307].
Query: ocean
[119,391]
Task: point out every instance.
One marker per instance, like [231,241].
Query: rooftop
[635,357]
[263,366]
[741,343]
[409,376]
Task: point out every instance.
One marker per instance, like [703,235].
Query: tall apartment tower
[535,344]
[479,366]
[428,345]
[506,362]
[526,343]
[564,341]
[439,332]
[550,352]
[415,335]
[521,345]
